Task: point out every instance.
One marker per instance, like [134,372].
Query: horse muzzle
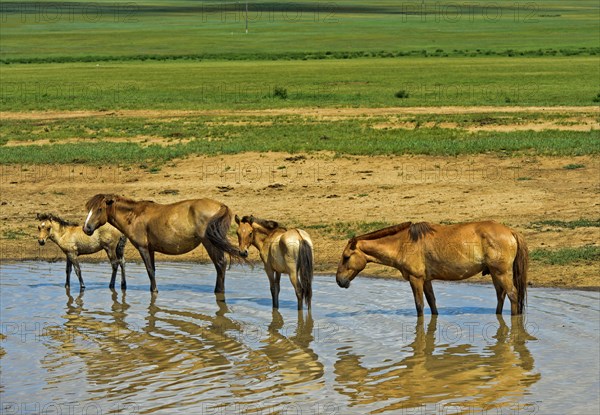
[41,242]
[88,230]
[344,283]
[244,253]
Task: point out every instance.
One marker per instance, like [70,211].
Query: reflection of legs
[430,297]
[218,258]
[148,257]
[416,284]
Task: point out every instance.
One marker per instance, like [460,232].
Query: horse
[73,242]
[423,252]
[281,250]
[171,229]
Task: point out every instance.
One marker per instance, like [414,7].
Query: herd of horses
[422,252]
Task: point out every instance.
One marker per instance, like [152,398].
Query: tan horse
[281,250]
[172,229]
[424,252]
[73,242]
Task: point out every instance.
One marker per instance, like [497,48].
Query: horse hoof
[123,286]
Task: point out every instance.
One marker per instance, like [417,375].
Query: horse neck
[386,250]
[57,234]
[260,238]
[117,214]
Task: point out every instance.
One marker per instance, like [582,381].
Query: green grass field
[368,82]
[184,55]
[60,31]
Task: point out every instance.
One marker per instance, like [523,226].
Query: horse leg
[430,297]
[148,257]
[75,263]
[115,267]
[69,267]
[504,280]
[297,287]
[416,284]
[277,286]
[274,285]
[123,279]
[218,258]
[500,295]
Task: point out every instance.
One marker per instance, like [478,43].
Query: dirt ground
[319,190]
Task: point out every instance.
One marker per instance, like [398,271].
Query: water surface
[360,351]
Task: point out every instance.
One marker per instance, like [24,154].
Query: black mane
[57,219]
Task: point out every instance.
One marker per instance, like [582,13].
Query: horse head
[352,262]
[98,207]
[44,228]
[245,233]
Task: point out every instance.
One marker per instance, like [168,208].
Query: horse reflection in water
[498,376]
[176,352]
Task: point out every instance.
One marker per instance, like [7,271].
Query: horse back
[284,248]
[462,250]
[186,216]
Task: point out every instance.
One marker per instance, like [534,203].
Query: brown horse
[73,242]
[424,252]
[281,250]
[172,229]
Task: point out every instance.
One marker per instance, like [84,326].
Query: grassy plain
[149,88]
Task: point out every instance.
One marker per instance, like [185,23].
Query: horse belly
[176,245]
[454,272]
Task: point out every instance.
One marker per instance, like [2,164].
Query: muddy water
[362,351]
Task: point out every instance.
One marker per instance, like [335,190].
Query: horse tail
[216,233]
[304,270]
[520,266]
[120,249]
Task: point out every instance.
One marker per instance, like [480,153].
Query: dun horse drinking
[73,242]
[172,229]
[281,250]
[424,252]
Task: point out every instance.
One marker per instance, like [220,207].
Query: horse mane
[418,230]
[270,225]
[98,199]
[415,230]
[55,218]
[390,230]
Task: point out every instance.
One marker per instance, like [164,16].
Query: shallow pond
[362,351]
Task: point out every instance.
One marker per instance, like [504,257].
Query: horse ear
[352,243]
[251,219]
[37,216]
[237,219]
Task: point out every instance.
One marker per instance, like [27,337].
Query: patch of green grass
[346,230]
[574,166]
[368,82]
[579,223]
[304,30]
[14,234]
[566,256]
[294,135]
